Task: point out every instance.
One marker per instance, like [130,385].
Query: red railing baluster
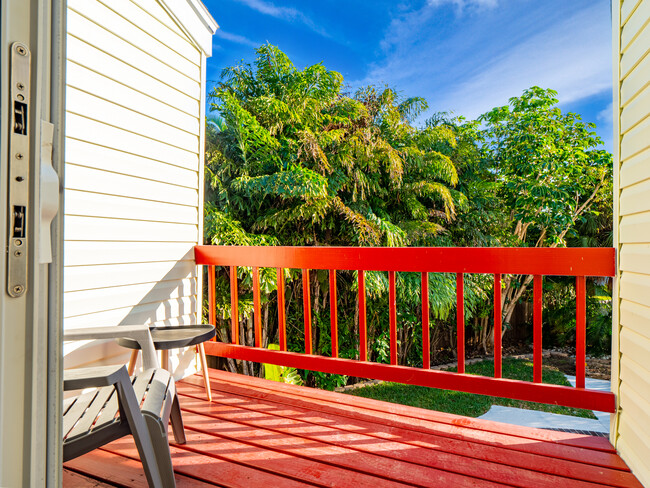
[257,315]
[426,344]
[363,333]
[498,326]
[460,322]
[537,329]
[234,306]
[333,315]
[498,262]
[581,330]
[211,300]
[282,320]
[392,309]
[306,300]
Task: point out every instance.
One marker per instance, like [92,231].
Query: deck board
[260,433]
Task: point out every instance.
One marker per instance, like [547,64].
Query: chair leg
[133,360]
[160,441]
[177,422]
[139,429]
[204,366]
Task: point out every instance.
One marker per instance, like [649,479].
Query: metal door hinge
[19,165]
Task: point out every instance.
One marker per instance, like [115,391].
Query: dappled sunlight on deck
[260,433]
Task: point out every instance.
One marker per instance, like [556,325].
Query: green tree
[551,174]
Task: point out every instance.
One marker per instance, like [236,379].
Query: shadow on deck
[258,433]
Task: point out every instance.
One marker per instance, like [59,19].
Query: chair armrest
[139,333]
[79,378]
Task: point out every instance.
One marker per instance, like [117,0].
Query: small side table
[166,338]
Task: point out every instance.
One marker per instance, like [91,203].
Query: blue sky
[465,56]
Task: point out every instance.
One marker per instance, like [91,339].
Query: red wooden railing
[578,262]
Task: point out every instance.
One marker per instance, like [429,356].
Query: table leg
[204,366]
[164,362]
[133,360]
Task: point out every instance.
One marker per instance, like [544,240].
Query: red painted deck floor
[258,433]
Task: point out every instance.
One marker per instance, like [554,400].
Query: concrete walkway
[545,420]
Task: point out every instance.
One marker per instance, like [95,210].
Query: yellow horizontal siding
[636,111]
[129,32]
[79,278]
[84,253]
[636,140]
[635,228]
[634,317]
[112,44]
[627,9]
[635,258]
[635,198]
[637,377]
[632,445]
[635,287]
[635,169]
[635,23]
[634,344]
[100,181]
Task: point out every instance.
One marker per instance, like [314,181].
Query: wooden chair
[142,406]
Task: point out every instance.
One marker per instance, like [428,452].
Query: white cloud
[236,38]
[606,114]
[285,13]
[487,60]
[572,57]
[461,5]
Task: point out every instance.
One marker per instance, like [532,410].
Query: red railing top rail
[493,260]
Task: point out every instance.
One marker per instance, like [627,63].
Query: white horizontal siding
[154,27]
[84,54]
[124,95]
[130,33]
[133,212]
[96,132]
[100,181]
[97,35]
[92,107]
[79,278]
[85,253]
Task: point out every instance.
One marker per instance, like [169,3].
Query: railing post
[498,327]
[211,300]
[537,329]
[282,320]
[306,300]
[333,315]
[363,333]
[426,344]
[257,314]
[581,330]
[234,306]
[392,309]
[460,322]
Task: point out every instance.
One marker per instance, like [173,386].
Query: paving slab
[546,420]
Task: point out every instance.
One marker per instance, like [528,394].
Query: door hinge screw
[19,155]
[18,289]
[20,86]
[21,50]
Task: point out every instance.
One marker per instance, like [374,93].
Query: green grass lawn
[469,404]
